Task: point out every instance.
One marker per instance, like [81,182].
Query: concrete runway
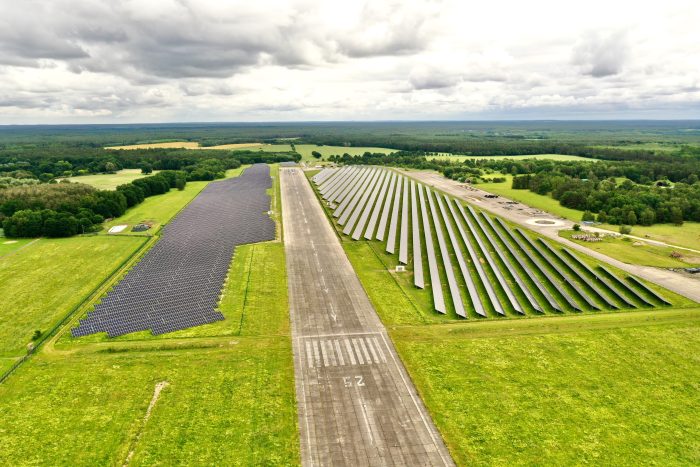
[356,403]
[687,286]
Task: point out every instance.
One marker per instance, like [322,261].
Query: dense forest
[660,161]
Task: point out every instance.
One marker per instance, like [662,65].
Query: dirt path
[687,286]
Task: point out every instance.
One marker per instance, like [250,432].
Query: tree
[588,216]
[110,167]
[602,217]
[625,229]
[676,215]
[647,217]
[316,154]
[576,227]
[146,168]
[25,223]
[631,218]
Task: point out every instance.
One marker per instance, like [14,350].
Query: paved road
[687,286]
[356,403]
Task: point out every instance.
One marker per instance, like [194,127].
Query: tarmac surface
[522,214]
[356,403]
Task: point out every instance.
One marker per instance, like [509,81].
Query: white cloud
[129,60]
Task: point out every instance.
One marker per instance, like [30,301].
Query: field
[225,399]
[562,391]
[110,181]
[634,252]
[306,149]
[230,385]
[37,298]
[547,389]
[542,202]
[7,245]
[554,157]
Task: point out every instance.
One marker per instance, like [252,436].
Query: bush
[625,229]
[576,227]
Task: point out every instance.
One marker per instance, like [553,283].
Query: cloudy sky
[91,61]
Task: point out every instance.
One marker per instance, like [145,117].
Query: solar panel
[435,284]
[334,186]
[599,278]
[403,242]
[447,262]
[509,266]
[387,207]
[489,259]
[347,199]
[369,205]
[651,292]
[358,204]
[602,295]
[178,282]
[553,302]
[377,207]
[391,240]
[348,185]
[625,286]
[415,234]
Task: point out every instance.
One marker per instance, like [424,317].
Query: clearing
[110,181]
[554,157]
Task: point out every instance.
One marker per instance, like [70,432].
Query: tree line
[65,209]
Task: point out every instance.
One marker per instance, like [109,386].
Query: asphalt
[521,214]
[356,403]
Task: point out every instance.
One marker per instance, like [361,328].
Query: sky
[119,61]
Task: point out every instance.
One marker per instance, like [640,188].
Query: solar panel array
[484,267]
[177,283]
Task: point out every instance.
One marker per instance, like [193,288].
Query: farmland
[109,181]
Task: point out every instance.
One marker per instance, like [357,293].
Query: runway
[356,403]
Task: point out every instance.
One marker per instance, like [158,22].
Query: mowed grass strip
[110,181]
[40,284]
[614,389]
[231,404]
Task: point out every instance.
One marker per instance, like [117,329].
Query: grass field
[229,403]
[230,392]
[158,209]
[543,202]
[9,245]
[306,149]
[110,181]
[554,157]
[42,283]
[645,254]
[564,390]
[686,235]
[545,390]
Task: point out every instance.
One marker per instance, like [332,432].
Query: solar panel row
[374,197]
[178,282]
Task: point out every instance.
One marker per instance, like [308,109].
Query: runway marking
[329,352]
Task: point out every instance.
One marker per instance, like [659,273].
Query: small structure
[140,228]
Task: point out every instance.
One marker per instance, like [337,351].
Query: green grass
[41,284]
[543,202]
[554,157]
[9,245]
[231,403]
[158,209]
[306,149]
[624,249]
[686,235]
[615,389]
[110,181]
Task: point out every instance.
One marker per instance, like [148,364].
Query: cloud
[600,54]
[130,60]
